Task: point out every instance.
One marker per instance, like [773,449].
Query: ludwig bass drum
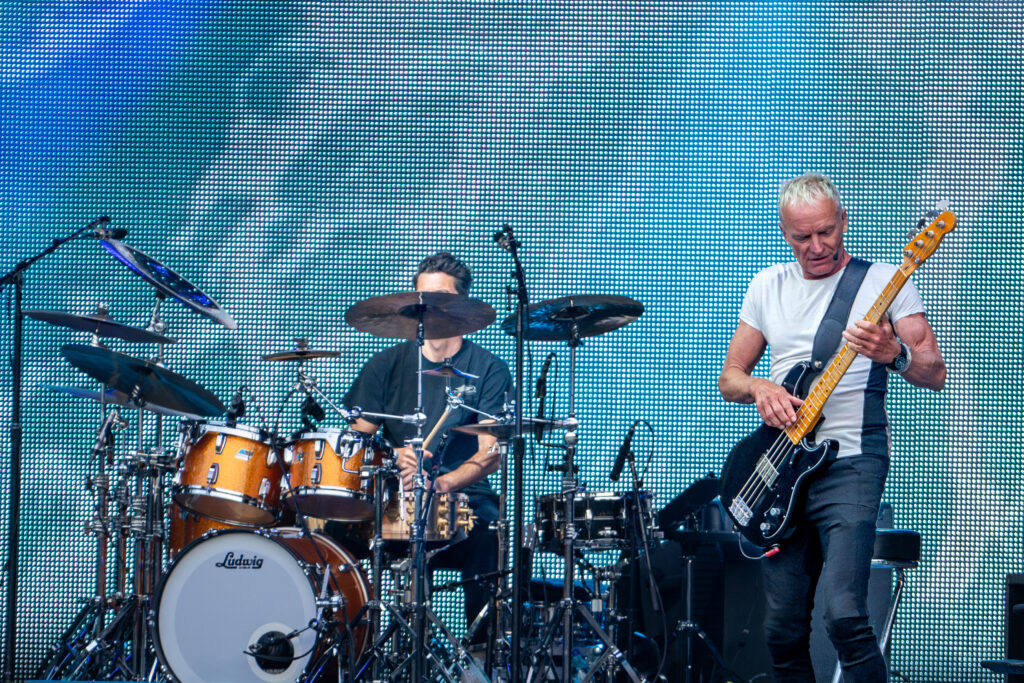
[236,605]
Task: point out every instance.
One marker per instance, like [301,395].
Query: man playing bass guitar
[833,527]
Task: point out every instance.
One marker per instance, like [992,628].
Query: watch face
[900,362]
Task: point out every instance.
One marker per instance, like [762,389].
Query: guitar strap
[830,330]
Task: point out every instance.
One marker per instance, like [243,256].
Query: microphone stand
[507,241]
[16,277]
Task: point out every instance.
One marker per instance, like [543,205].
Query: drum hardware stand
[308,384]
[91,618]
[570,606]
[507,241]
[422,614]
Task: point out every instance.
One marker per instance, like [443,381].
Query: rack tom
[332,473]
[229,474]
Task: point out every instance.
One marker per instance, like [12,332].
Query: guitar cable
[772,551]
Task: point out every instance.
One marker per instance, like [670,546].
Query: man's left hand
[877,342]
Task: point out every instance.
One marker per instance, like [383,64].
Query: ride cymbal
[142,380]
[301,352]
[395,316]
[589,314]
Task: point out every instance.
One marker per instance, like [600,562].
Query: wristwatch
[901,362]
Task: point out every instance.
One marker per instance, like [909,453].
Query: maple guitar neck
[914,254]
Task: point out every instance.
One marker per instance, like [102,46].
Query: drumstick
[436,429]
[426,445]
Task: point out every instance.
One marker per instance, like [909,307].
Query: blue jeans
[833,542]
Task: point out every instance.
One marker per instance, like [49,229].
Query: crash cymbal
[592,314]
[394,316]
[115,397]
[149,382]
[100,324]
[301,352]
[168,282]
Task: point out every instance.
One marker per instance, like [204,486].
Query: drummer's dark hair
[445,262]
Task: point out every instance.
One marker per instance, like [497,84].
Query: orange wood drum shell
[330,473]
[229,474]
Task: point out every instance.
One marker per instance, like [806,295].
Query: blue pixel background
[293,158]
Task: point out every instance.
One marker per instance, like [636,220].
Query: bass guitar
[764,472]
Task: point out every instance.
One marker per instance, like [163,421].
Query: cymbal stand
[91,618]
[492,616]
[570,606]
[332,598]
[16,279]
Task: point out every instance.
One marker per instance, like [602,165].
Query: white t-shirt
[787,308]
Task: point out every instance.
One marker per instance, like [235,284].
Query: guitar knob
[766,527]
[774,512]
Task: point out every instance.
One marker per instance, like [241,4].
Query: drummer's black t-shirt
[387,384]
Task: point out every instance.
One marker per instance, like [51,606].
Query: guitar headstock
[927,241]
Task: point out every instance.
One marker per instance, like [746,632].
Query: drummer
[454,462]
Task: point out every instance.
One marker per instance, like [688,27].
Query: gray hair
[807,188]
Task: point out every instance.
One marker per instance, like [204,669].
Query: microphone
[505,239]
[623,453]
[237,408]
[97,230]
[541,393]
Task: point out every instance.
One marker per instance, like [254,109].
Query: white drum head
[222,595]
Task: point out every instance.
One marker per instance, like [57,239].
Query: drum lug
[212,474]
[264,490]
[318,449]
[219,443]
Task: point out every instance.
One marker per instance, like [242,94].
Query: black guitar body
[764,474]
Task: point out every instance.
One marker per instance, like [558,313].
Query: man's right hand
[405,458]
[776,406]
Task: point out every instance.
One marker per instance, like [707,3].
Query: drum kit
[211,559]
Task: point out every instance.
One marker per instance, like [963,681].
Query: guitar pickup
[766,471]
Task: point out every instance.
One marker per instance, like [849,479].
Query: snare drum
[604,521]
[331,473]
[229,474]
[230,592]
[449,512]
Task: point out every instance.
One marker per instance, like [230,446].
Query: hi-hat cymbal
[589,314]
[506,430]
[100,324]
[395,316]
[169,282]
[149,382]
[113,396]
